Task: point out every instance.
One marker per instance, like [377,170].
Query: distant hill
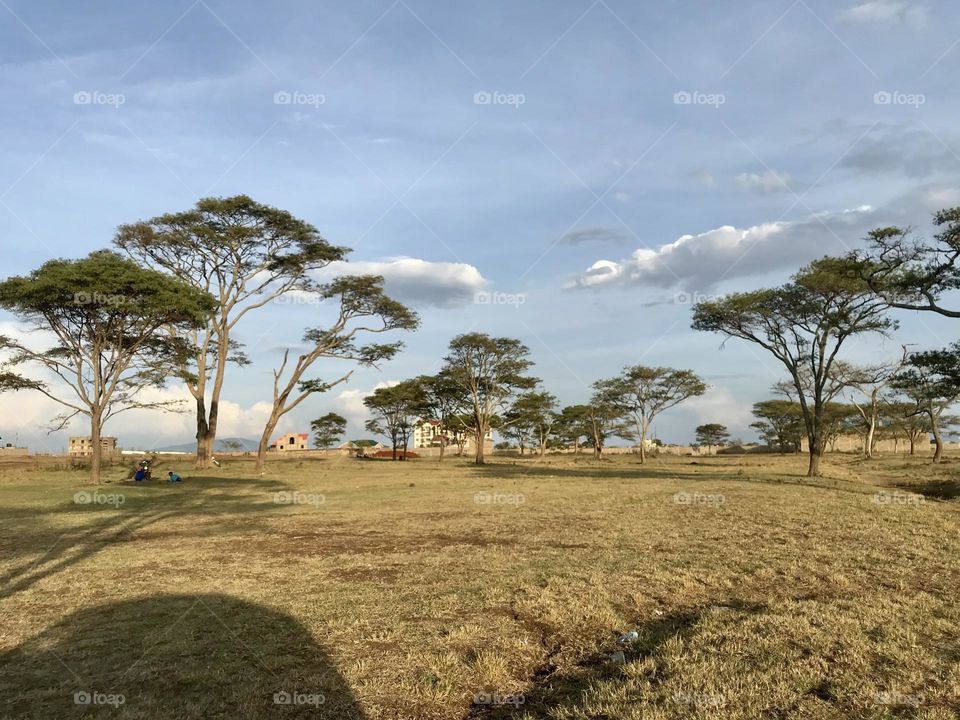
[221,445]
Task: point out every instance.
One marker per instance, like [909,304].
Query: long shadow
[553,689]
[61,548]
[936,489]
[515,470]
[175,656]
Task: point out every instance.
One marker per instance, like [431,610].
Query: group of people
[142,473]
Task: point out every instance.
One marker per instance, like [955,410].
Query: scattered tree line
[165,302]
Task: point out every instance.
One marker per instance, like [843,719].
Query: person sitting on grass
[140,475]
[174,477]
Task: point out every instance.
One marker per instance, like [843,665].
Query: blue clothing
[175,478]
[140,475]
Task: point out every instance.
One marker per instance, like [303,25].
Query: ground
[346,588]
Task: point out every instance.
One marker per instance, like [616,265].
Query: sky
[574,174]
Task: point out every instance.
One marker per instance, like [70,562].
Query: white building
[427,433]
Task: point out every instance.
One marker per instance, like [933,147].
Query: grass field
[349,588]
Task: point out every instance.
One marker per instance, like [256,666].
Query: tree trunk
[816,454]
[481,434]
[868,445]
[265,441]
[443,445]
[96,455]
[913,445]
[643,443]
[203,433]
[935,428]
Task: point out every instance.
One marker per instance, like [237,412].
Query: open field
[393,590]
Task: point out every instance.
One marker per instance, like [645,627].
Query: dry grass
[400,596]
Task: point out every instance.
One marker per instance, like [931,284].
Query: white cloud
[768,182]
[134,428]
[885,12]
[718,405]
[438,284]
[698,262]
[349,403]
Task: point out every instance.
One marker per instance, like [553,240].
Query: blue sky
[592,165]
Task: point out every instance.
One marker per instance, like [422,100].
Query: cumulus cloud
[768,182]
[886,12]
[134,428]
[719,404]
[698,262]
[419,282]
[594,235]
[349,403]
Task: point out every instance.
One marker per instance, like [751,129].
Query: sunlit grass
[425,590]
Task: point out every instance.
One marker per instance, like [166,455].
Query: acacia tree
[712,434]
[779,422]
[362,308]
[642,393]
[490,370]
[604,419]
[396,408]
[443,400]
[931,380]
[531,416]
[104,313]
[327,429]
[571,425]
[803,324]
[13,381]
[871,381]
[911,273]
[904,422]
[246,255]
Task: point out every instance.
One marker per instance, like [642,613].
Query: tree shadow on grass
[143,505]
[682,472]
[175,656]
[936,489]
[553,690]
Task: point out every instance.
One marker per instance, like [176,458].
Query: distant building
[293,441]
[428,433]
[83,446]
[10,450]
